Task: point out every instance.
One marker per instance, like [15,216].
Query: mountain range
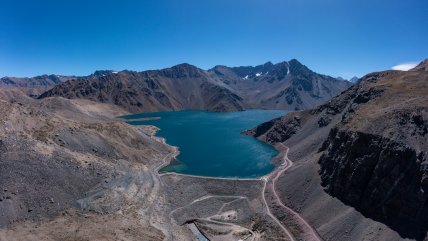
[350,167]
[352,80]
[286,85]
[35,86]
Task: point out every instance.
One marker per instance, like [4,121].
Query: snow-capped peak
[258,74]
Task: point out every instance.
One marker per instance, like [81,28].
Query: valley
[213,120]
[102,177]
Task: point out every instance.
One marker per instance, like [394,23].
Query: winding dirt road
[265,180]
[309,232]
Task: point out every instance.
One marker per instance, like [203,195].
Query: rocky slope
[287,85]
[354,79]
[370,143]
[33,86]
[422,66]
[70,170]
[42,80]
[180,87]
[53,153]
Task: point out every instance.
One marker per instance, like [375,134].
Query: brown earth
[70,170]
[360,159]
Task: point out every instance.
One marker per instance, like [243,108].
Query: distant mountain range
[352,80]
[34,86]
[286,85]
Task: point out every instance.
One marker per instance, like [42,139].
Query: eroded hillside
[371,146]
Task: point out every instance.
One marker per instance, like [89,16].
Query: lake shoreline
[265,184]
[281,163]
[211,144]
[276,161]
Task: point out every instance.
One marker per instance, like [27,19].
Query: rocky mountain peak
[182,71]
[422,66]
[354,79]
[296,66]
[7,81]
[185,66]
[268,64]
[275,86]
[100,73]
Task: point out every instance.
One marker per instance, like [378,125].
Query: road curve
[287,163]
[265,180]
[284,167]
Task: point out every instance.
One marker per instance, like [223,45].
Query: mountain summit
[422,66]
[286,85]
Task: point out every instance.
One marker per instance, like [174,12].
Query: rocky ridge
[371,146]
[286,85]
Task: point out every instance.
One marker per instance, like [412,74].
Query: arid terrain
[286,85]
[71,170]
[360,159]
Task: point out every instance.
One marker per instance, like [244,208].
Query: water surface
[210,143]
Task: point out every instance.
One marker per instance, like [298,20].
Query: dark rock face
[365,96]
[221,99]
[282,131]
[372,140]
[249,71]
[324,121]
[382,178]
[285,85]
[380,168]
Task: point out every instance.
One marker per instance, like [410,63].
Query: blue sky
[335,37]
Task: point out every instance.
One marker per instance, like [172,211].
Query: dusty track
[265,180]
[313,235]
[308,232]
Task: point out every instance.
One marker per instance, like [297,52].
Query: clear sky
[335,37]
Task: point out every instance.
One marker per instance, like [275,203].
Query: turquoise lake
[210,143]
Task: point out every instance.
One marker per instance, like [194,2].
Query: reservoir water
[210,143]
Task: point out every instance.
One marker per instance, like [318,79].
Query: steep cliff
[371,142]
[376,158]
